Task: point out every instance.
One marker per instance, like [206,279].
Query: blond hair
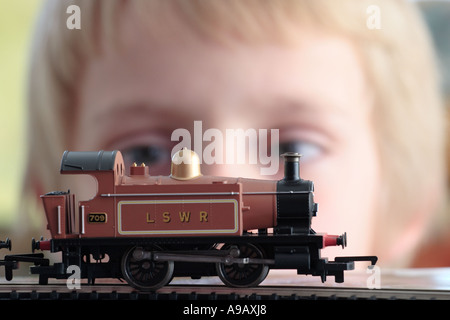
[397,59]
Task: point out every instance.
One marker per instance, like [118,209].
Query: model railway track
[203,292]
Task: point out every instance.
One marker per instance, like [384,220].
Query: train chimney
[291,166]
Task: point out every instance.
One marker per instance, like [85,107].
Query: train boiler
[148,229]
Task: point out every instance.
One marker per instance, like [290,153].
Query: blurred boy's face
[313,91]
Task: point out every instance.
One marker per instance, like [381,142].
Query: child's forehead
[212,21]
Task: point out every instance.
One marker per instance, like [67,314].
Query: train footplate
[340,264]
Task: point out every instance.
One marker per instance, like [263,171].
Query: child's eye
[157,157]
[308,150]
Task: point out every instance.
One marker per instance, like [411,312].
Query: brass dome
[185,165]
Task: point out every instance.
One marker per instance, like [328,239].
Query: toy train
[148,229]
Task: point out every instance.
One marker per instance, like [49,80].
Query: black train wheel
[240,274]
[146,274]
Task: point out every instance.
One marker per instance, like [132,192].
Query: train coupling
[330,240]
[6,244]
[372,259]
[40,245]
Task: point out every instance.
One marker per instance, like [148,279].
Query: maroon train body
[148,229]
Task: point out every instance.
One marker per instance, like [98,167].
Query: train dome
[185,165]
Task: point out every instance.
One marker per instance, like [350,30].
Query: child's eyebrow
[288,106]
[141,109]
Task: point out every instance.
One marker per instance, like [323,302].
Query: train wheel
[146,274]
[240,274]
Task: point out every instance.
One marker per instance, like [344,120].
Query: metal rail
[207,292]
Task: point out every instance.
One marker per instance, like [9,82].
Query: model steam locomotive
[148,229]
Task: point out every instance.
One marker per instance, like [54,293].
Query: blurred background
[437,17]
[16,27]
